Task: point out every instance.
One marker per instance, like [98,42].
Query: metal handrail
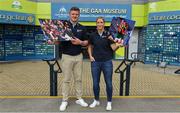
[125,79]
[53,75]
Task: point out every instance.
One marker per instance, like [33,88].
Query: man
[72,59]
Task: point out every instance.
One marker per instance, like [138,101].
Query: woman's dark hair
[100,18]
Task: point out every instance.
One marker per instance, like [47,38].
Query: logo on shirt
[103,36]
[79,30]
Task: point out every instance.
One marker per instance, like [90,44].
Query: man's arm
[84,43]
[114,45]
[77,41]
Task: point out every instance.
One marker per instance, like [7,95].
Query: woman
[100,51]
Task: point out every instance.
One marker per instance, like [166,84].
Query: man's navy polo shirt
[102,50]
[78,31]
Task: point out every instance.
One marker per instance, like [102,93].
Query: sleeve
[109,41]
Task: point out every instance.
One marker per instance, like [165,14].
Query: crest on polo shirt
[79,30]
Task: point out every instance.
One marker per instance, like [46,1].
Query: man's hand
[76,41]
[52,42]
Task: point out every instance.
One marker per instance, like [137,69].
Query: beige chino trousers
[71,67]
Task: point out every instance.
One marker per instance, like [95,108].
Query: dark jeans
[107,69]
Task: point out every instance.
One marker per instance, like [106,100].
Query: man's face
[74,16]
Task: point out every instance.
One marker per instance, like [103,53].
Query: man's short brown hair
[74,9]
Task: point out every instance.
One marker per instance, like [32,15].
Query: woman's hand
[91,58]
[119,44]
[116,45]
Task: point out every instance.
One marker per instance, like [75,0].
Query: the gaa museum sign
[89,12]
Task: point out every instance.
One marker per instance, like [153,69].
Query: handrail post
[52,79]
[53,76]
[121,84]
[54,84]
[128,72]
[125,76]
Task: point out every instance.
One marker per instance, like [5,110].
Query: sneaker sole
[80,104]
[95,106]
[64,109]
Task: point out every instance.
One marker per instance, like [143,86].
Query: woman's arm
[90,53]
[115,46]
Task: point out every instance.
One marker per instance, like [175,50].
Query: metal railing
[125,75]
[53,75]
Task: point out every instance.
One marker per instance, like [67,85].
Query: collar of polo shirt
[73,23]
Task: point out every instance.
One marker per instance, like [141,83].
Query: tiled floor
[32,78]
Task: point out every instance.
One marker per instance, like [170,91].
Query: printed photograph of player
[55,30]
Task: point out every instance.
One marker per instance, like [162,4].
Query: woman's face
[100,24]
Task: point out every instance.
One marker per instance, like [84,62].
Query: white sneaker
[81,102]
[63,106]
[94,104]
[109,107]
